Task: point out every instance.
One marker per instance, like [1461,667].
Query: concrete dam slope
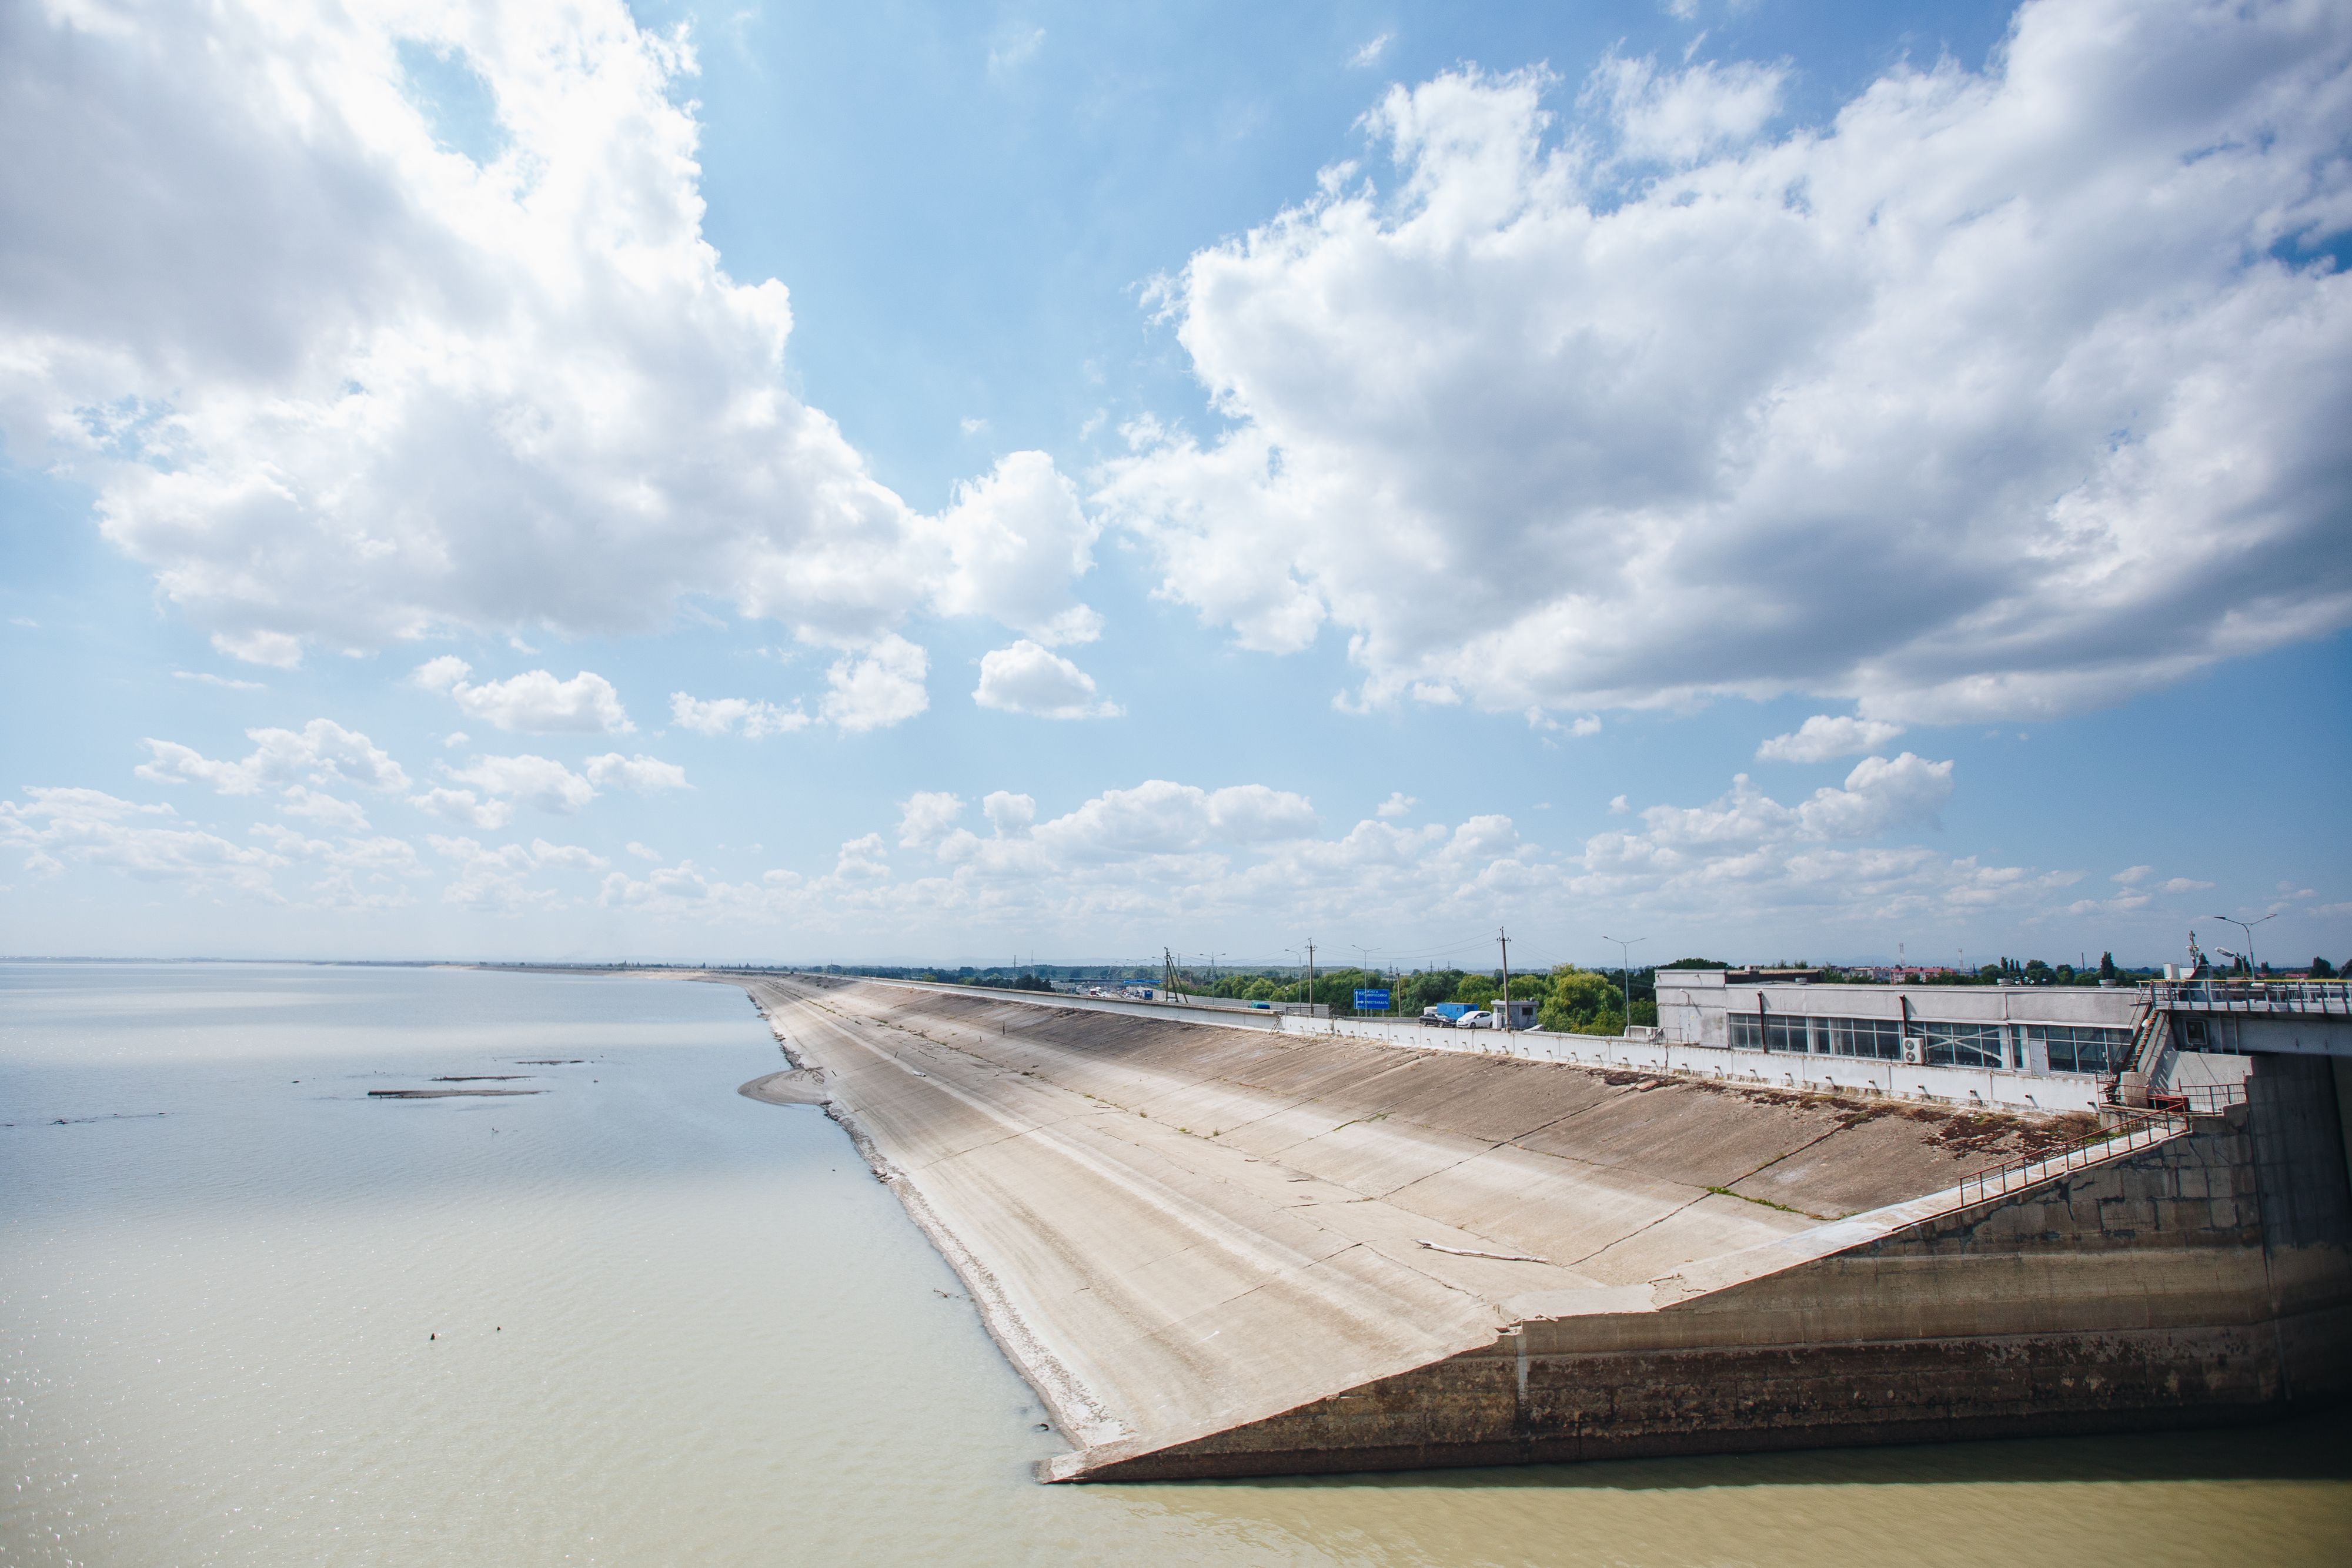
[1220,1251]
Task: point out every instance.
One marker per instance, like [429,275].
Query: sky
[946,483]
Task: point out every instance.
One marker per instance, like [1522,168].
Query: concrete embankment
[1224,1251]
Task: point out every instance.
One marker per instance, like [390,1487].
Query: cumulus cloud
[646,774]
[1026,678]
[327,811]
[876,688]
[1159,817]
[1877,796]
[534,703]
[1679,117]
[723,716]
[925,816]
[1010,814]
[463,807]
[1823,736]
[1016,540]
[1398,804]
[339,380]
[2004,392]
[54,827]
[534,780]
[321,752]
[500,879]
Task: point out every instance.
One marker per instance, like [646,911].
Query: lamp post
[2248,927]
[1625,972]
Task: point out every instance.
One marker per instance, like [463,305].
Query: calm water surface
[639,1318]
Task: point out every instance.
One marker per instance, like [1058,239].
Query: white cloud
[1398,804]
[1026,678]
[1016,48]
[644,853]
[1010,814]
[539,781]
[641,773]
[355,873]
[54,827]
[321,752]
[1617,806]
[337,383]
[207,678]
[1823,736]
[1015,540]
[1878,795]
[500,879]
[1368,53]
[721,715]
[926,816]
[454,738]
[327,811]
[2004,393]
[2132,876]
[463,807]
[1162,818]
[534,703]
[2180,884]
[878,688]
[1680,117]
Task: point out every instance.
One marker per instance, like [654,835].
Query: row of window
[2071,1047]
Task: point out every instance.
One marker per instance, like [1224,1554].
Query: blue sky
[926,484]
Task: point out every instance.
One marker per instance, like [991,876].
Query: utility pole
[1625,949]
[1504,938]
[1310,977]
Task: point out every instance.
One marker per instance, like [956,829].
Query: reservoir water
[249,1314]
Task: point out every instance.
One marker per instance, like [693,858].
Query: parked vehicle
[1446,1015]
[1478,1018]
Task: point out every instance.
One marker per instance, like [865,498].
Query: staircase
[2144,1058]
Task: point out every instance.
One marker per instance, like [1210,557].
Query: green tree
[1582,1001]
[2321,969]
[2107,965]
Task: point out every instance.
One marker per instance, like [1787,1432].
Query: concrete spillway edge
[1075,1412]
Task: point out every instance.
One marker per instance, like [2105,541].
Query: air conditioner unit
[1915,1051]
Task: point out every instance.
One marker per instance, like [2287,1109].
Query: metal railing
[2202,1099]
[2328,998]
[2140,1132]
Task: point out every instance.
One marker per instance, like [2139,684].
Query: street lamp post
[1625,970]
[2248,927]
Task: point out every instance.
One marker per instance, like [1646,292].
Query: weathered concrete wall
[2208,1279]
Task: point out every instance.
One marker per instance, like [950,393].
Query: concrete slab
[1252,1245]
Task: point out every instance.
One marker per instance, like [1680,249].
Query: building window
[1963,1044]
[2081,1049]
[1880,1039]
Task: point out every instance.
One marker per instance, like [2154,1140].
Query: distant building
[2022,1028]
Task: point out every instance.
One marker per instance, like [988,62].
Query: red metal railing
[2142,1131]
[2204,1099]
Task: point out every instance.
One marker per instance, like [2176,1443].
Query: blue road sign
[1372,1001]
